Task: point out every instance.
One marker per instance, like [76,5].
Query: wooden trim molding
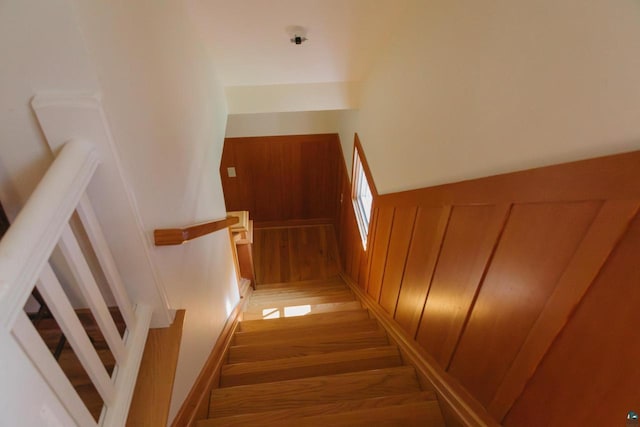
[600,178]
[152,395]
[195,406]
[467,410]
[177,236]
[357,145]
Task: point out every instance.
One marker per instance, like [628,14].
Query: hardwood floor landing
[295,254]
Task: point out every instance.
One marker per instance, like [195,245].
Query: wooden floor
[307,354]
[294,254]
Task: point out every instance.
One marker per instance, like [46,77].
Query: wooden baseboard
[456,401]
[152,394]
[196,404]
[294,223]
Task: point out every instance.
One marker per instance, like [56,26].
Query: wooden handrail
[177,236]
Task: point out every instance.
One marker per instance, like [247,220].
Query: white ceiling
[251,46]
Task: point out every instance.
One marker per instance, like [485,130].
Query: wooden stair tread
[284,415]
[312,391]
[307,354]
[276,336]
[420,414]
[73,369]
[302,321]
[287,311]
[307,345]
[307,366]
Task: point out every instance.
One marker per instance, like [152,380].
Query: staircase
[308,354]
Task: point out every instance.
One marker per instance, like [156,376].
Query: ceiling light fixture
[297,34]
[298,39]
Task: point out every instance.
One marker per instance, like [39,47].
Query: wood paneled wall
[524,287]
[281,179]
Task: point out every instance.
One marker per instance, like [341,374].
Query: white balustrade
[25,251]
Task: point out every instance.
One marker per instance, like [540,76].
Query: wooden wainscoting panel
[522,276]
[380,246]
[605,232]
[367,254]
[429,231]
[399,241]
[281,178]
[357,254]
[471,237]
[590,374]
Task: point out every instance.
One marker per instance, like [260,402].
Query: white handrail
[28,243]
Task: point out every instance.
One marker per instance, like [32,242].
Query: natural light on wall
[361,197]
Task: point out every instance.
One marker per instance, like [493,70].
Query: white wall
[469,89]
[167,114]
[41,49]
[292,97]
[294,123]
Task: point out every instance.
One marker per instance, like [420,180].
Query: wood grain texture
[281,178]
[313,391]
[309,366]
[366,255]
[379,251]
[399,240]
[295,254]
[590,374]
[518,283]
[426,241]
[416,414]
[152,394]
[605,232]
[468,245]
[306,345]
[282,415]
[527,303]
[177,236]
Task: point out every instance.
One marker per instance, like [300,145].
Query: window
[361,196]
